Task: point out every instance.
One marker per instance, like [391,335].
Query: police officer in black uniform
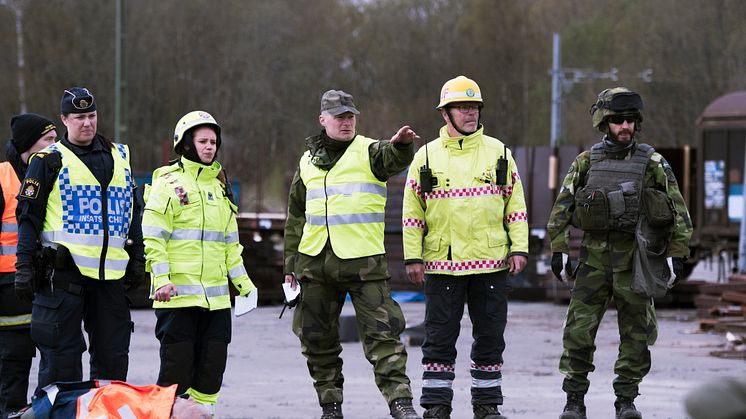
[69,285]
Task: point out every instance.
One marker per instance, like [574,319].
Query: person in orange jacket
[31,133]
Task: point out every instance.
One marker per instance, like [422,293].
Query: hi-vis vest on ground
[83,218]
[345,204]
[9,233]
[98,399]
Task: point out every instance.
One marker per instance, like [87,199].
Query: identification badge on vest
[182,194]
[30,188]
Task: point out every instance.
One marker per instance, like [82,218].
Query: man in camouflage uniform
[612,192]
[334,246]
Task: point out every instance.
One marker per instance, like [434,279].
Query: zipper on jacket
[202,238]
[326,209]
[105,243]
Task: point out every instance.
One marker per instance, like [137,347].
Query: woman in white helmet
[192,250]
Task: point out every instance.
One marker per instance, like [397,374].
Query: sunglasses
[620,119]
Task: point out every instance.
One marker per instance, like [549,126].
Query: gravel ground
[267,377]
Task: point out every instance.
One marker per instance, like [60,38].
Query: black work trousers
[445,295]
[55,328]
[16,349]
[194,348]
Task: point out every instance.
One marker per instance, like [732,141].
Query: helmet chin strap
[460,131]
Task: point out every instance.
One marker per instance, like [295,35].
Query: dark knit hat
[77,100]
[27,128]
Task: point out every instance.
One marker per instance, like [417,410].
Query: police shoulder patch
[30,188]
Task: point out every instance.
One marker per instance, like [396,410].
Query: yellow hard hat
[460,89]
[191,120]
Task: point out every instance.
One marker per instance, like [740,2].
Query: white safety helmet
[191,120]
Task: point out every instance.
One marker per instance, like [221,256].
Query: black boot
[331,411]
[575,407]
[438,411]
[487,411]
[403,409]
[625,409]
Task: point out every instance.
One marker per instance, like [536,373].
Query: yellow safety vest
[344,205]
[79,219]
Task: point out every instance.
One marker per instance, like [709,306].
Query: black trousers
[445,295]
[55,328]
[16,350]
[194,347]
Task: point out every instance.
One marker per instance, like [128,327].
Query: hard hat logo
[204,115]
[459,89]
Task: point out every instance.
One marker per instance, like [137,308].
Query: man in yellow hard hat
[334,246]
[463,258]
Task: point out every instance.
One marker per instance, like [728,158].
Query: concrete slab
[267,377]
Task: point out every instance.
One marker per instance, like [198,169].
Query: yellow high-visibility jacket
[473,224]
[191,237]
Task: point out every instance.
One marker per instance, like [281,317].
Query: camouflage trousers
[325,281]
[638,330]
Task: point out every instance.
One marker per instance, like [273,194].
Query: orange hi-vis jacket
[9,234]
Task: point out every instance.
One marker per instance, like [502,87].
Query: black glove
[134,274]
[561,261]
[24,282]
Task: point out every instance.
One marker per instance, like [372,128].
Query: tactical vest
[92,224]
[344,205]
[610,199]
[9,233]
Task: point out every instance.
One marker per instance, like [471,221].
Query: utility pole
[17,8]
[563,79]
[120,129]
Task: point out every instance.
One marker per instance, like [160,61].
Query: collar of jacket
[618,151]
[325,152]
[200,170]
[462,142]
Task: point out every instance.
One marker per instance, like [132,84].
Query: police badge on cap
[77,100]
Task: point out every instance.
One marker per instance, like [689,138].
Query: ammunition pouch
[658,208]
[591,210]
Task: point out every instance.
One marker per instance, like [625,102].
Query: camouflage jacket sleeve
[558,226]
[666,181]
[295,221]
[388,159]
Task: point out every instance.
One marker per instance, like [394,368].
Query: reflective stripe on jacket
[473,223]
[10,185]
[345,204]
[191,237]
[91,228]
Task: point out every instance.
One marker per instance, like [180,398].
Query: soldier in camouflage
[636,229]
[334,246]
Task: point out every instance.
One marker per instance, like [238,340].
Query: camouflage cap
[618,100]
[337,102]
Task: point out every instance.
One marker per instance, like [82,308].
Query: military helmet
[192,120]
[618,100]
[459,89]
